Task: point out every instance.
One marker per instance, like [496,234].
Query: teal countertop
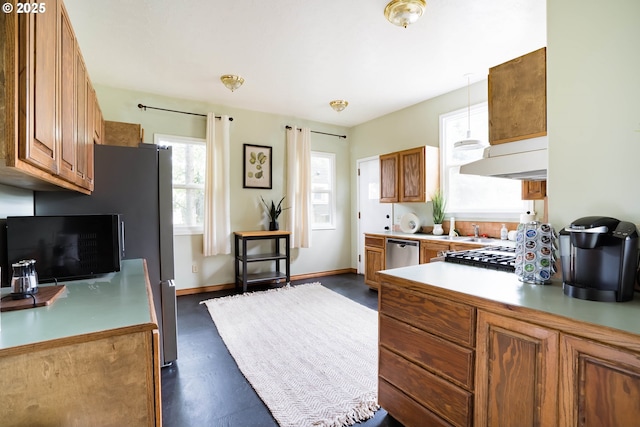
[505,288]
[111,301]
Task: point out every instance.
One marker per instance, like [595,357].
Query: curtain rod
[322,133]
[144,107]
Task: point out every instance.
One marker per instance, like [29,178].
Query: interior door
[373,216]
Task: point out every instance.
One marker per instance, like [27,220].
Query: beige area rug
[310,353]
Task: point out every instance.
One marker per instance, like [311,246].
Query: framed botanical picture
[256,168]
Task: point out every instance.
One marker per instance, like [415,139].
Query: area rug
[310,353]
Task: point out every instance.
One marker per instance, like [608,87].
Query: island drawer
[442,317]
[445,358]
[406,410]
[439,396]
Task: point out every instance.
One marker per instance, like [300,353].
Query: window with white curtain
[323,190]
[473,196]
[188,161]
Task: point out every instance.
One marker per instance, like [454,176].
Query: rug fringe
[246,294]
[362,412]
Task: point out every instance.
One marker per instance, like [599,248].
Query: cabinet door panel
[516,373]
[518,98]
[412,179]
[373,263]
[389,192]
[67,101]
[431,250]
[38,76]
[81,120]
[600,385]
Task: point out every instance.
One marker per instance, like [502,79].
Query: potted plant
[274,212]
[438,204]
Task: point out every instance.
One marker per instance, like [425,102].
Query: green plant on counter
[438,203]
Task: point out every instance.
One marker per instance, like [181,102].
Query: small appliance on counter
[535,252]
[24,279]
[599,258]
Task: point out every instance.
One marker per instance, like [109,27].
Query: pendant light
[468,143]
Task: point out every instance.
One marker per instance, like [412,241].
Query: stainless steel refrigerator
[136,183]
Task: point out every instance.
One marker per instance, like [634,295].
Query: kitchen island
[91,358]
[464,346]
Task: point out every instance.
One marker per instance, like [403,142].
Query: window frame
[331,192]
[158,138]
[481,214]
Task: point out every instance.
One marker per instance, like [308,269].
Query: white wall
[408,128]
[593,104]
[15,201]
[331,249]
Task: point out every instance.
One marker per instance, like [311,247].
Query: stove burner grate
[493,257]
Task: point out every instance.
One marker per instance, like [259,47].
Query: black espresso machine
[599,258]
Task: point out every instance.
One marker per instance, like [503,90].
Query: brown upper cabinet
[518,98]
[47,104]
[409,175]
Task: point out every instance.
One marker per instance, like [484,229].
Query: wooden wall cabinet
[518,98]
[44,103]
[374,260]
[534,190]
[410,175]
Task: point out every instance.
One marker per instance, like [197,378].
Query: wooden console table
[242,238]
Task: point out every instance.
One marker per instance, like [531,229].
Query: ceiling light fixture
[404,12]
[469,143]
[339,104]
[231,81]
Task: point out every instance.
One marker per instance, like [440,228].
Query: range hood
[524,160]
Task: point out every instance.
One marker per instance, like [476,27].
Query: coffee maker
[599,258]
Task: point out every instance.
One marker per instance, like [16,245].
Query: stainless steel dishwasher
[402,253]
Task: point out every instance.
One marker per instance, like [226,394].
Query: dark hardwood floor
[204,386]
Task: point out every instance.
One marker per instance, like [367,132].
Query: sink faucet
[476,230]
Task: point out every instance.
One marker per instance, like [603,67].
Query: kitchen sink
[480,240]
[453,238]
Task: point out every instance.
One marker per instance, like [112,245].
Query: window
[189,166]
[323,190]
[472,196]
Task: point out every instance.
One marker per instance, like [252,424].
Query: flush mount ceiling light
[339,104]
[469,143]
[231,81]
[404,12]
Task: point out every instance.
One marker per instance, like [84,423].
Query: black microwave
[68,246]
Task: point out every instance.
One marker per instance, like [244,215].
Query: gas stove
[501,258]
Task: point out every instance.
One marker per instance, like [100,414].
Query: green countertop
[111,301]
[504,287]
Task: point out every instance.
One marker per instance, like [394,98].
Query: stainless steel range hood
[524,160]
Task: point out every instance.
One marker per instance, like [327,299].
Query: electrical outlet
[194,268]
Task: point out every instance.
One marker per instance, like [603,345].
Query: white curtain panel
[217,212]
[299,186]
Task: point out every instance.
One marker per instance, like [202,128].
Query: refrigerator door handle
[122,237]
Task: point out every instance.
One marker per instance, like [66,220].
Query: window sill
[187,231]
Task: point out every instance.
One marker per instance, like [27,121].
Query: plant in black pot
[274,212]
